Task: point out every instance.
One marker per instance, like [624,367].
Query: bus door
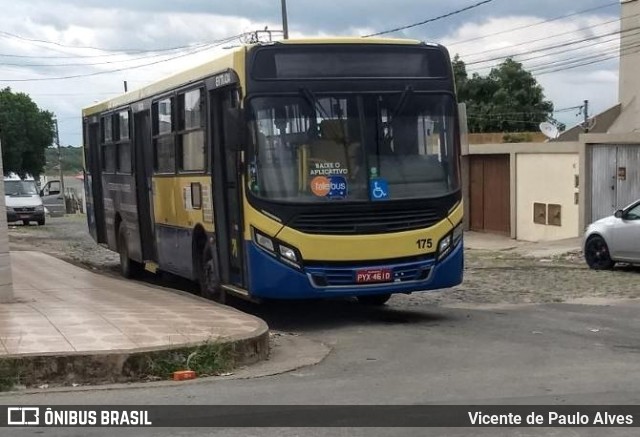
[93,184]
[227,191]
[143,161]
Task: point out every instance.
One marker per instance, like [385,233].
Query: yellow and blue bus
[310,168]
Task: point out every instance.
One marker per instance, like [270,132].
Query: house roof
[600,124]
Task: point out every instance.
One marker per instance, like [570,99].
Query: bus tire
[374,300]
[128,267]
[209,276]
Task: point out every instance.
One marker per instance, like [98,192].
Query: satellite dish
[549,130]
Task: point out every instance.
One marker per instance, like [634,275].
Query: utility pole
[285,22]
[586,116]
[64,198]
[6,278]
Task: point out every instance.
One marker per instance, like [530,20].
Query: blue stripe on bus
[272,279]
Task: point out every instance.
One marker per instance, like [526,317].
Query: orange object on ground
[182,375]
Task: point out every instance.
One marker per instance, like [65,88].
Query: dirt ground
[491,277]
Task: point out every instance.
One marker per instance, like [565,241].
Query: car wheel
[597,255]
[25,222]
[128,267]
[41,222]
[208,275]
[374,300]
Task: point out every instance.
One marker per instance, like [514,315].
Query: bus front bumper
[271,279]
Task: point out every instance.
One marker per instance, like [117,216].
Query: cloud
[152,24]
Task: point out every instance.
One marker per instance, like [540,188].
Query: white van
[22,200]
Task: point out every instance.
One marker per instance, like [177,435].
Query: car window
[633,213]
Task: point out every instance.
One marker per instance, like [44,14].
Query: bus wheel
[209,277]
[128,267]
[374,300]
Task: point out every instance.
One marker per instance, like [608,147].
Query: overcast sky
[482,36]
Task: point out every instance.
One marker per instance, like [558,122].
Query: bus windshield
[353,147]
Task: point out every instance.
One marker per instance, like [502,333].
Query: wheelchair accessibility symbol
[378,189]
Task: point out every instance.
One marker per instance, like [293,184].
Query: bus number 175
[424,243]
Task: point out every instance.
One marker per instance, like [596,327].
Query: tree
[509,99]
[26,131]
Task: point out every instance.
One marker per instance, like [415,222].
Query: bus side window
[164,159]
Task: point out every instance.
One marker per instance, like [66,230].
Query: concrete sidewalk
[61,309]
[539,249]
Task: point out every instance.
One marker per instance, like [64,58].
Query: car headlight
[278,249]
[9,209]
[40,208]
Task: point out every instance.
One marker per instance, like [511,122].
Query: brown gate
[489,194]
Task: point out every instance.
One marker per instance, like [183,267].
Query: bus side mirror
[234,129]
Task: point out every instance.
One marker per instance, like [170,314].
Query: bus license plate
[373,275]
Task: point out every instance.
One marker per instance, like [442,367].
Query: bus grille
[365,222]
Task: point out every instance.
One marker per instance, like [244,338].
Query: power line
[584,11]
[431,20]
[81,64]
[550,37]
[548,48]
[121,50]
[202,49]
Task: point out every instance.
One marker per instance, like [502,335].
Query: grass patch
[10,373]
[207,359]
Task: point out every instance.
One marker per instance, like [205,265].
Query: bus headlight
[444,246]
[457,234]
[288,253]
[264,241]
[449,241]
[284,253]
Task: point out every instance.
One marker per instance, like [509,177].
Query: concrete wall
[522,182]
[629,79]
[546,178]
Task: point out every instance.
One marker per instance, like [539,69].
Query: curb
[121,366]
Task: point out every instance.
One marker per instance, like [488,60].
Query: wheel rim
[598,253]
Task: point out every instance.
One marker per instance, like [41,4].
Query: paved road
[525,354]
[420,348]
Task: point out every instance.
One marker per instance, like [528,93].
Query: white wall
[549,179]
[629,79]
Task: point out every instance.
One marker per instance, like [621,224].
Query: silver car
[614,239]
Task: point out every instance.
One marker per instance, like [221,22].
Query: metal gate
[615,178]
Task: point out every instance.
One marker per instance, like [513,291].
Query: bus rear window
[368,61]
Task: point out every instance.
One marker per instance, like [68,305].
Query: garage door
[489,194]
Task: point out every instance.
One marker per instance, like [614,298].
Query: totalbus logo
[23,416]
[320,186]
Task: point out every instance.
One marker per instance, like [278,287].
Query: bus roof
[231,59]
